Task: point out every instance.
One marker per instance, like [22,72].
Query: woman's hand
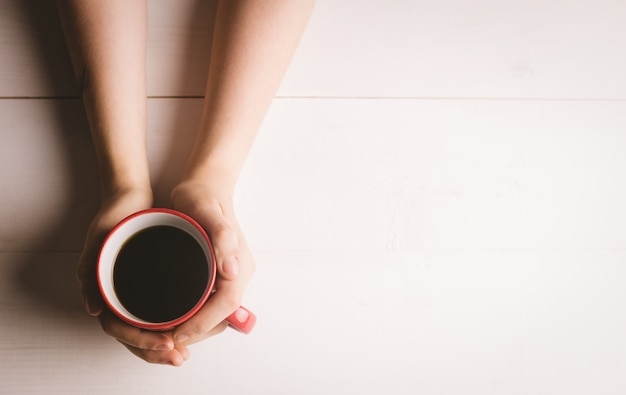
[154,347]
[212,208]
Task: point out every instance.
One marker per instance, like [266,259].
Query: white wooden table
[436,201]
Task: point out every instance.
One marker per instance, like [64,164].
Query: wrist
[121,180]
[140,193]
[219,179]
[193,193]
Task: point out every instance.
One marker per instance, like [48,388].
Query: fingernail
[230,266]
[181,338]
[92,309]
[241,315]
[164,347]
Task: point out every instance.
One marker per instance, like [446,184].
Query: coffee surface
[160,274]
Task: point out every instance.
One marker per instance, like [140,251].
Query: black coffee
[160,274]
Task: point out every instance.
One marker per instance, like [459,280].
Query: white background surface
[435,202]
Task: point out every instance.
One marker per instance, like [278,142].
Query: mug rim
[108,292]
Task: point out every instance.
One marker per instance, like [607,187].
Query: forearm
[253,44]
[107,45]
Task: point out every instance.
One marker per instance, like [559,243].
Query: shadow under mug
[157,268]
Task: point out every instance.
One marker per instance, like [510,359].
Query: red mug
[157,268]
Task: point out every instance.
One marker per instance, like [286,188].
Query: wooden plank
[48,175]
[410,174]
[368,323]
[452,48]
[350,174]
[35,61]
[455,48]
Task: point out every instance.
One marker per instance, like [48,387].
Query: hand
[154,347]
[212,208]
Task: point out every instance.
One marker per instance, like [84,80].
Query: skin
[254,41]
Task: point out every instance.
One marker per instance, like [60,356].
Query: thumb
[225,242]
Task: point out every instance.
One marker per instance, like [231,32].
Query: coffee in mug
[157,268]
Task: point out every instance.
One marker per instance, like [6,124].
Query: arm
[253,44]
[107,42]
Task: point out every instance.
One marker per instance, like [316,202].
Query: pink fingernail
[181,338]
[92,309]
[164,347]
[241,315]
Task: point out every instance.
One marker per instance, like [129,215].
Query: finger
[86,274]
[198,328]
[224,238]
[183,350]
[133,336]
[172,357]
[220,305]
